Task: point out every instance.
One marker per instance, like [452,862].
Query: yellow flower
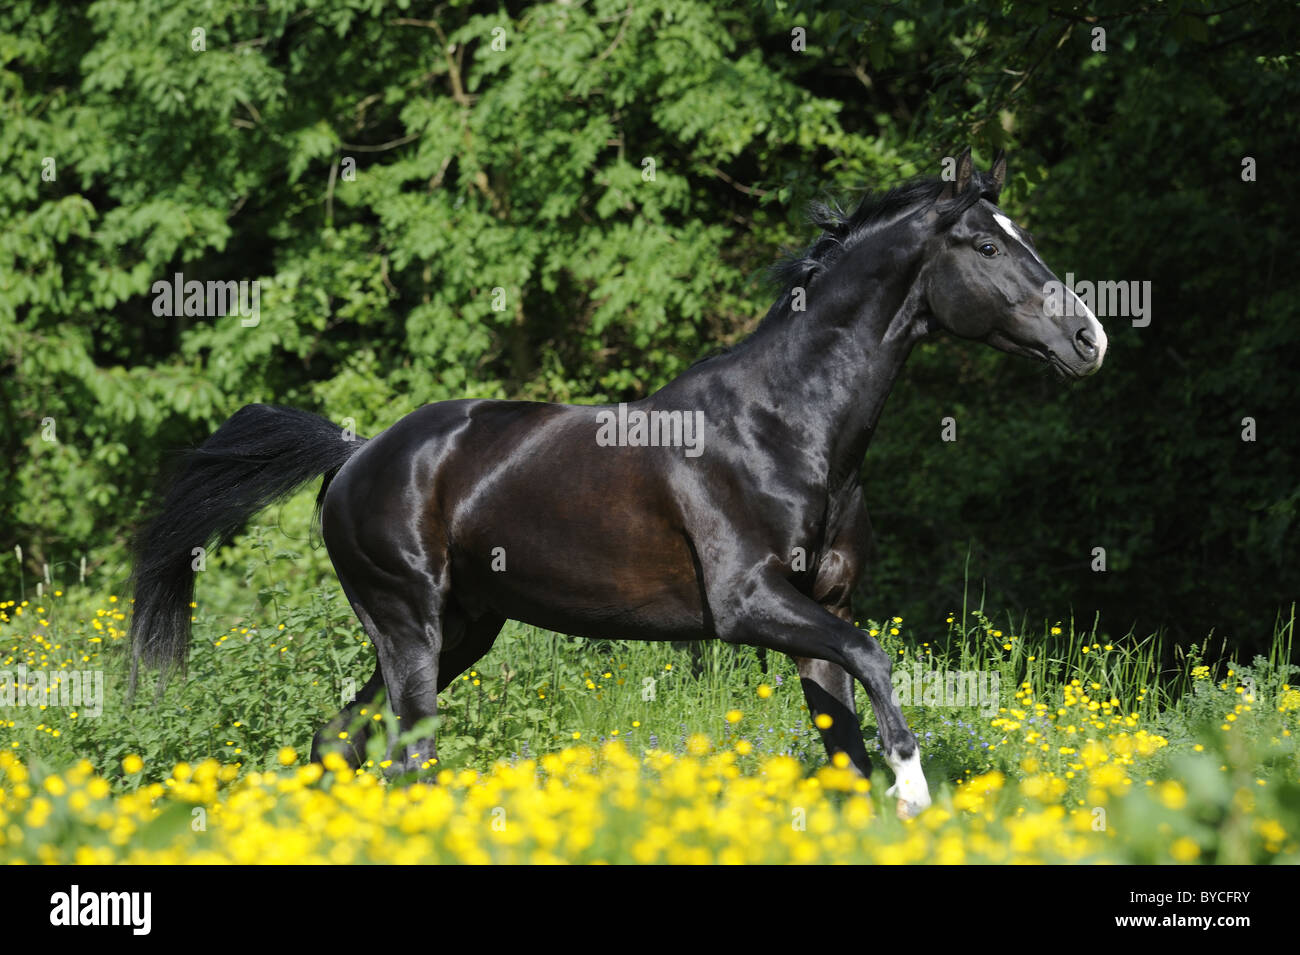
[1271,830]
[764,691]
[1173,795]
[823,721]
[132,764]
[699,745]
[734,716]
[288,756]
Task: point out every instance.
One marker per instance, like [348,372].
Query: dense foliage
[573,201]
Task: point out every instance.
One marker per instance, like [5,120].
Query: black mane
[842,231]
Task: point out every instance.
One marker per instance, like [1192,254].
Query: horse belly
[560,578]
[580,558]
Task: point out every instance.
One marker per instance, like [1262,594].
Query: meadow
[556,749]
[576,203]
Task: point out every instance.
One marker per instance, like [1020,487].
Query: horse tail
[262,454]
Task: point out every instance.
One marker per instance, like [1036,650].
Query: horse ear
[965,169]
[999,171]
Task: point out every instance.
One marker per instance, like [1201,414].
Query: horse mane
[842,231]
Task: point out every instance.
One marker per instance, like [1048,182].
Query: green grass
[1194,758]
[268,677]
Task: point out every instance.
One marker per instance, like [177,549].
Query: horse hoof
[909,810]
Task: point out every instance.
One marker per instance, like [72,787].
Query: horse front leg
[766,610]
[828,687]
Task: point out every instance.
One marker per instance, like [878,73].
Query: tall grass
[266,675]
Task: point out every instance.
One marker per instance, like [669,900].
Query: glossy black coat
[467,513]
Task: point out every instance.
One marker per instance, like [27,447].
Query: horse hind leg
[338,736]
[344,734]
[468,641]
[402,614]
[408,639]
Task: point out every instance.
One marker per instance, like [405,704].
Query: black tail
[262,454]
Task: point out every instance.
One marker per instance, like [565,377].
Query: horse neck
[827,371]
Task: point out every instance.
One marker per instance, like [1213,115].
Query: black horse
[726,505]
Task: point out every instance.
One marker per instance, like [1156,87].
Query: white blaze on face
[1098,333]
[909,783]
[1010,229]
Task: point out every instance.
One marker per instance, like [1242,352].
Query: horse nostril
[1084,343]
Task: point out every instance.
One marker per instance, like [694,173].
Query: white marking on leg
[909,783]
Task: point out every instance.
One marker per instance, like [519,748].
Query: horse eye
[988,250]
